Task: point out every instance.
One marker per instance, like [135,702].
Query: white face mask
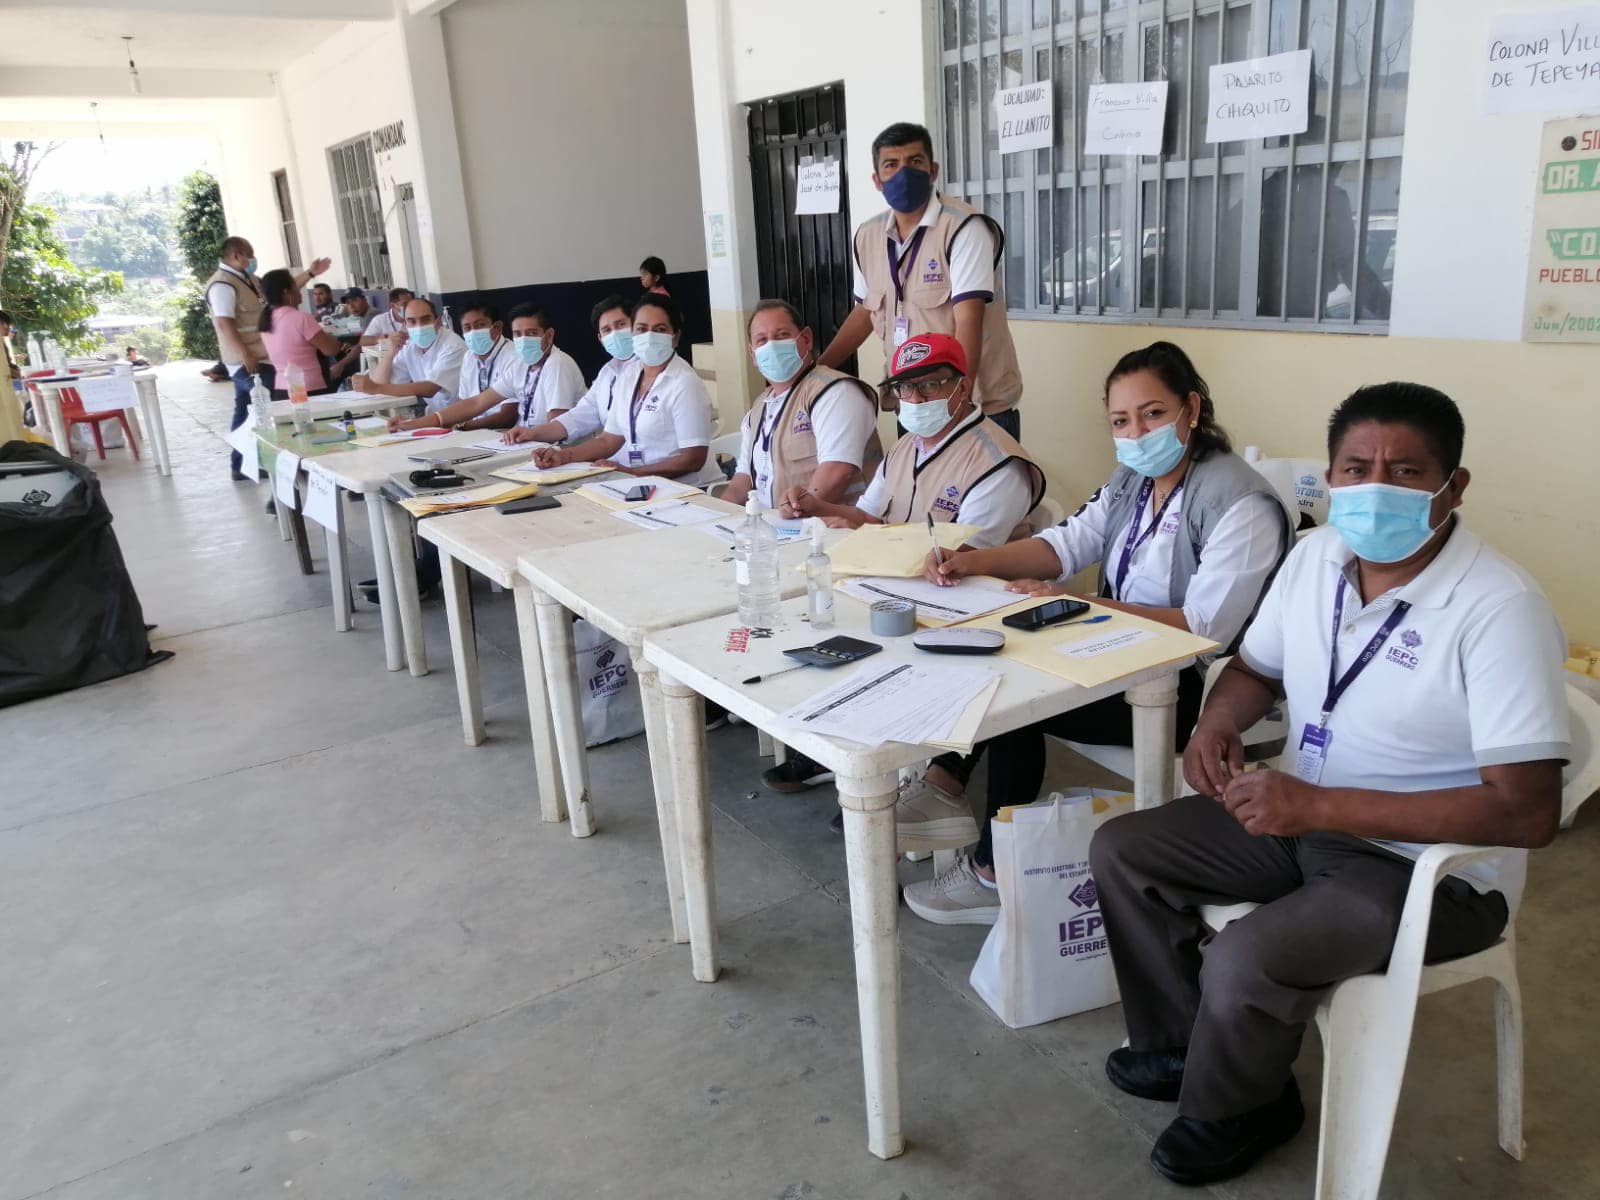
[652,348]
[925,418]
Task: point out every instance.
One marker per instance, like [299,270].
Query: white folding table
[336,404]
[696,660]
[149,414]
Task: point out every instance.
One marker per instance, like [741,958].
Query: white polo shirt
[996,505]
[480,373]
[440,363]
[383,325]
[554,383]
[589,414]
[1471,678]
[674,414]
[1234,563]
[839,418]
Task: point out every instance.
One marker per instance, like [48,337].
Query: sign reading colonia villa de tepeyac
[1564,262]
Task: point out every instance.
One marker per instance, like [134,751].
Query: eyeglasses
[921,389]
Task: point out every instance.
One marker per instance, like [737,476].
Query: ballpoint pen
[938,554]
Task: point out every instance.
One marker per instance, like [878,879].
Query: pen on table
[938,555]
[771,674]
[1087,620]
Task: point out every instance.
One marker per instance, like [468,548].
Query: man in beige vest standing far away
[931,265]
[233,294]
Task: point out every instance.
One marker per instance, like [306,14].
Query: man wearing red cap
[955,464]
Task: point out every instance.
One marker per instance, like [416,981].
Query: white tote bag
[1047,955]
[607,686]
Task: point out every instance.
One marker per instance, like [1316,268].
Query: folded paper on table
[894,550]
[322,497]
[1089,655]
[473,497]
[528,473]
[726,529]
[610,495]
[919,703]
[974,596]
[284,472]
[964,735]
[498,445]
[371,422]
[674,514]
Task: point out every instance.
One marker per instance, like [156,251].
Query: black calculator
[835,652]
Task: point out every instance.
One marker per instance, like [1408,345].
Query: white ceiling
[47,36]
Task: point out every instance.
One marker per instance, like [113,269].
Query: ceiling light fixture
[133,71]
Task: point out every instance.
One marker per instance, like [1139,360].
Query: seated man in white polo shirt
[423,360]
[1423,676]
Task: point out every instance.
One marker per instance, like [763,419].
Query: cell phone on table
[527,504]
[1052,613]
[641,491]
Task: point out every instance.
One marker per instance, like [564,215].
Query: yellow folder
[893,551]
[1089,655]
[476,497]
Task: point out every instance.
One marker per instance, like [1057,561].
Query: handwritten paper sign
[717,235]
[1025,117]
[1543,61]
[1260,97]
[322,498]
[1563,302]
[283,477]
[243,439]
[1125,118]
[107,393]
[816,190]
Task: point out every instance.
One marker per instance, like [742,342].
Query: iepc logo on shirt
[1403,655]
[950,502]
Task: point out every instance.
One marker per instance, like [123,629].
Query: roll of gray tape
[893,618]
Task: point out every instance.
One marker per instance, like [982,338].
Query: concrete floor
[270,929]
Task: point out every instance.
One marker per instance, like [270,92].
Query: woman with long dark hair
[1184,533]
[294,338]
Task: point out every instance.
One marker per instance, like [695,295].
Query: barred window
[1278,232]
[355,194]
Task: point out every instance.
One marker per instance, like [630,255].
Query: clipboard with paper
[1091,654]
[895,551]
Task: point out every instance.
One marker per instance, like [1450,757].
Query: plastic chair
[1051,511]
[726,446]
[1366,1021]
[1300,485]
[72,413]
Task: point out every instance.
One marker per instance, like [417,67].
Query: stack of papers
[674,514]
[726,528]
[472,497]
[972,597]
[529,473]
[497,444]
[610,495]
[389,439]
[895,550]
[919,703]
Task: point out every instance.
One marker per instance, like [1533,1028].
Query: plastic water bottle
[755,568]
[261,405]
[819,580]
[299,399]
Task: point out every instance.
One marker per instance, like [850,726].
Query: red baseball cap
[925,353]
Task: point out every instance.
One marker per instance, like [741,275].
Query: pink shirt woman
[294,338]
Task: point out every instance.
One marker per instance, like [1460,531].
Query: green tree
[193,335]
[127,247]
[15,176]
[43,290]
[201,223]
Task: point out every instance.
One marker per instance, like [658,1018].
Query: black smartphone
[834,652]
[1052,613]
[638,492]
[527,504]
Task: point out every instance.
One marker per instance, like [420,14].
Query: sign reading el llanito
[1564,263]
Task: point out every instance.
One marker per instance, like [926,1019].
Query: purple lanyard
[1135,539]
[633,413]
[528,391]
[486,369]
[1337,687]
[895,264]
[765,429]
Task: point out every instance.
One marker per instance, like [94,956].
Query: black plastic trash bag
[68,612]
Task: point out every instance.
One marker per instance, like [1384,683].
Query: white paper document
[107,393]
[893,701]
[726,528]
[612,494]
[283,477]
[1025,117]
[817,187]
[1105,643]
[1543,61]
[371,422]
[674,514]
[498,445]
[322,498]
[1125,118]
[1259,97]
[243,439]
[969,598]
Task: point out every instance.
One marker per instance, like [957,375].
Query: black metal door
[802,259]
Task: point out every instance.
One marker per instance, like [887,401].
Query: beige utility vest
[248,304]
[941,481]
[794,441]
[918,289]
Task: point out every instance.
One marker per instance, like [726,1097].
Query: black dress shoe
[1148,1074]
[1194,1152]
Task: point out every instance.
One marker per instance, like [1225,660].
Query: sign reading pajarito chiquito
[1564,265]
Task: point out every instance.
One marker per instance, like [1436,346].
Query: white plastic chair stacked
[1366,1021]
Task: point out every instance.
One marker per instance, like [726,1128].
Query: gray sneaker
[957,897]
[929,818]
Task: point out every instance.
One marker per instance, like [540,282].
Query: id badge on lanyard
[902,325]
[635,455]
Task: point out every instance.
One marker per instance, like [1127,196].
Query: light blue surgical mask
[478,340]
[925,418]
[1153,454]
[779,361]
[619,343]
[250,267]
[529,349]
[424,335]
[653,349]
[1381,522]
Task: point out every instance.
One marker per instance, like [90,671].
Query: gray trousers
[1240,999]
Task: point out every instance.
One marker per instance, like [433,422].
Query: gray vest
[1210,489]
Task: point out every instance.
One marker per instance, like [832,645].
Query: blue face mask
[779,361]
[1380,522]
[908,189]
[250,267]
[653,349]
[1154,454]
[619,343]
[424,335]
[529,349]
[478,340]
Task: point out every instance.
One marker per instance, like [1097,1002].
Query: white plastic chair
[727,444]
[1300,485]
[1366,1021]
[1051,511]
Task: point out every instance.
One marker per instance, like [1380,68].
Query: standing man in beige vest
[931,264]
[233,294]
[812,427]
